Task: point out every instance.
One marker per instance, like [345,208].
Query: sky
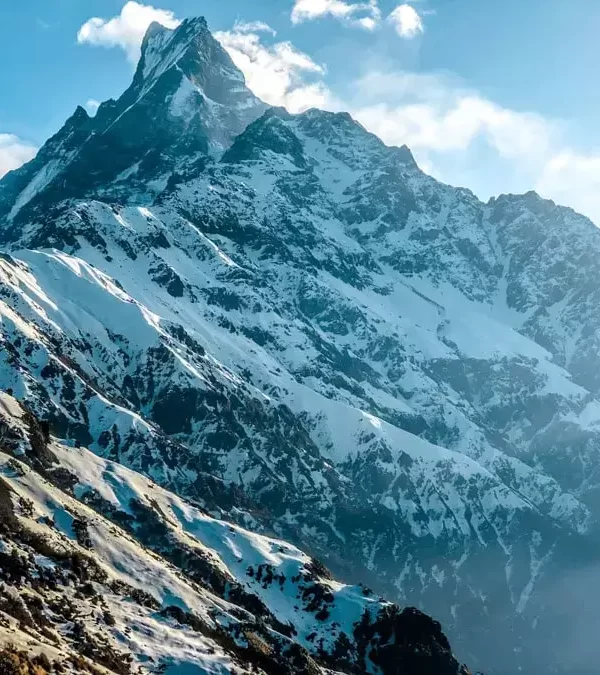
[494,95]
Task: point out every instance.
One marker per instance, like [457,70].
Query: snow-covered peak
[196,55]
[187,100]
[162,47]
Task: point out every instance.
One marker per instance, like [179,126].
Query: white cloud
[427,112]
[362,14]
[92,106]
[279,73]
[14,153]
[367,15]
[126,30]
[369,23]
[572,178]
[407,21]
[456,127]
[253,27]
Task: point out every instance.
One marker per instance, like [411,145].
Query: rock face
[287,322]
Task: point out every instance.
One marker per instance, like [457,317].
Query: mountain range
[273,328]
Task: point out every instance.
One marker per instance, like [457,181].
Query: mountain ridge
[180,90]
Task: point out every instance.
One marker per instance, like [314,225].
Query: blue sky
[498,96]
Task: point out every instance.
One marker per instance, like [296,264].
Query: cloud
[407,21]
[573,178]
[278,73]
[361,14]
[92,106]
[429,112]
[513,135]
[126,30]
[367,15]
[369,23]
[253,27]
[14,153]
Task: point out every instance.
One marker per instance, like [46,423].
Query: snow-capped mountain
[187,99]
[287,322]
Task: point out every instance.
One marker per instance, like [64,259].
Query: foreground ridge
[100,568]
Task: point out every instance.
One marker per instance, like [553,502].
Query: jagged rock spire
[187,99]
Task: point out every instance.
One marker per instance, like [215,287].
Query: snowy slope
[156,585]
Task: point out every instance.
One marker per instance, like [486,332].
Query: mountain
[285,322]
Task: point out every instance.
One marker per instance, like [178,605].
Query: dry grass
[13,662]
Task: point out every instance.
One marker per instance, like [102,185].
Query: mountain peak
[189,26]
[162,47]
[187,99]
[197,78]
[154,29]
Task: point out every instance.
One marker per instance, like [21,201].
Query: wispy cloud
[253,27]
[14,152]
[432,112]
[278,73]
[573,178]
[365,15]
[126,30]
[405,19]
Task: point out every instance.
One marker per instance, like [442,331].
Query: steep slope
[293,326]
[145,582]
